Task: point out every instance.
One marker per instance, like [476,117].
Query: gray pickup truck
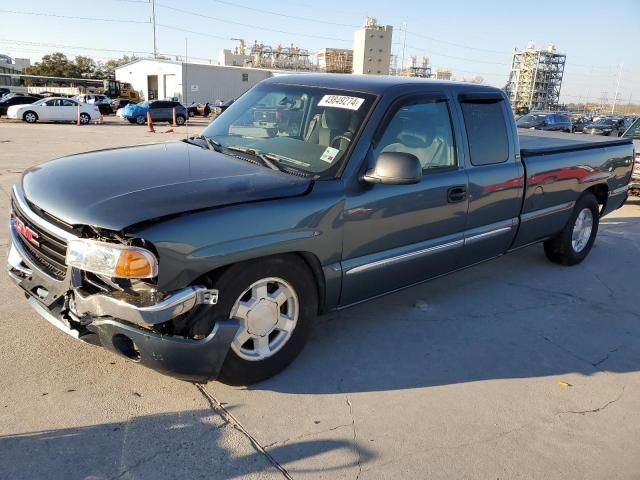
[209,258]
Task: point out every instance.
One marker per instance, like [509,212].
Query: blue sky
[471,38]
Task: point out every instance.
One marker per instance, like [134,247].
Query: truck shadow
[156,447]
[519,316]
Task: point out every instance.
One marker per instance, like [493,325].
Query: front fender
[195,244]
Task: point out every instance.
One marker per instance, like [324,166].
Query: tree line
[59,65]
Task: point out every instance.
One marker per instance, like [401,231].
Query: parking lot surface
[517,368]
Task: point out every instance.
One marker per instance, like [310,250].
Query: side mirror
[395,168]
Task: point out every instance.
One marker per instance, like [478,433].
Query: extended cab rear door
[495,173]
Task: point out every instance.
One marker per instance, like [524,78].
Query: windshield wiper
[264,158]
[211,143]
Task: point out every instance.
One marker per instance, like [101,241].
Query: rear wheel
[30,117]
[275,300]
[141,119]
[573,244]
[84,118]
[180,120]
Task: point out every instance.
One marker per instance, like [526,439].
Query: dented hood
[117,188]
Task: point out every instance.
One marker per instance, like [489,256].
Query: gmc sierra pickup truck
[209,258]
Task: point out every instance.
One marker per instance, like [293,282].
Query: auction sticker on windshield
[329,154]
[341,101]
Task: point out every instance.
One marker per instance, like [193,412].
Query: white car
[55,109]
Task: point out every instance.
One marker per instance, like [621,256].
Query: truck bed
[538,142]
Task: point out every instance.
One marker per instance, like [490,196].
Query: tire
[566,249]
[85,119]
[180,120]
[131,120]
[245,363]
[30,117]
[141,119]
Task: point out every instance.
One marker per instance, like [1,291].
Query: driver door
[397,235]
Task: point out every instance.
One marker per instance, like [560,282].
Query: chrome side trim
[42,223]
[49,317]
[488,234]
[536,214]
[418,253]
[619,191]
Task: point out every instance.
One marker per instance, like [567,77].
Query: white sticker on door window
[341,101]
[329,154]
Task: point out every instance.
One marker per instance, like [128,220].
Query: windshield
[633,131]
[307,128]
[531,118]
[604,121]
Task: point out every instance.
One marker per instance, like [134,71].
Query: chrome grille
[51,250]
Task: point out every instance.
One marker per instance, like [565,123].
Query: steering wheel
[340,137]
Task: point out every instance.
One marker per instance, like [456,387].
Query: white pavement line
[228,416]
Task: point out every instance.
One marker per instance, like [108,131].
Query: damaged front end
[175,333]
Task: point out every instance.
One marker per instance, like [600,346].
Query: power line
[459,45]
[257,27]
[295,17]
[431,52]
[70,17]
[184,30]
[21,43]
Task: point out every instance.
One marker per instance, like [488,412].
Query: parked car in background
[4,91]
[607,126]
[199,109]
[633,132]
[546,121]
[54,109]
[8,101]
[160,110]
[102,101]
[580,122]
[222,106]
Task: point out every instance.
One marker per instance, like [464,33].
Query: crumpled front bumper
[122,327]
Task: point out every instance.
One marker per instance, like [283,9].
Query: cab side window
[486,132]
[422,129]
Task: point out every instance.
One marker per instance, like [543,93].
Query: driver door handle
[456,194]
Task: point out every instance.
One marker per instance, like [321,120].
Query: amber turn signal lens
[133,263]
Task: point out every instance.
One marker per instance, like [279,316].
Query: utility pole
[615,98]
[153,21]
[404,44]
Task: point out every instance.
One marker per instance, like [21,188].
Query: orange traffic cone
[150,123]
[78,116]
[174,117]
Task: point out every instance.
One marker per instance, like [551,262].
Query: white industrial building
[372,48]
[156,79]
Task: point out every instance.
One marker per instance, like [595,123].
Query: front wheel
[180,120]
[30,117]
[85,118]
[274,299]
[573,244]
[141,119]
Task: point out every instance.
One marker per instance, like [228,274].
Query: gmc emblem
[26,233]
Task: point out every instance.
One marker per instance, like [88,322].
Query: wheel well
[601,192]
[309,259]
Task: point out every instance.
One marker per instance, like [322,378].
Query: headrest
[336,119]
[415,138]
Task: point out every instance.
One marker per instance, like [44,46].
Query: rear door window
[486,132]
